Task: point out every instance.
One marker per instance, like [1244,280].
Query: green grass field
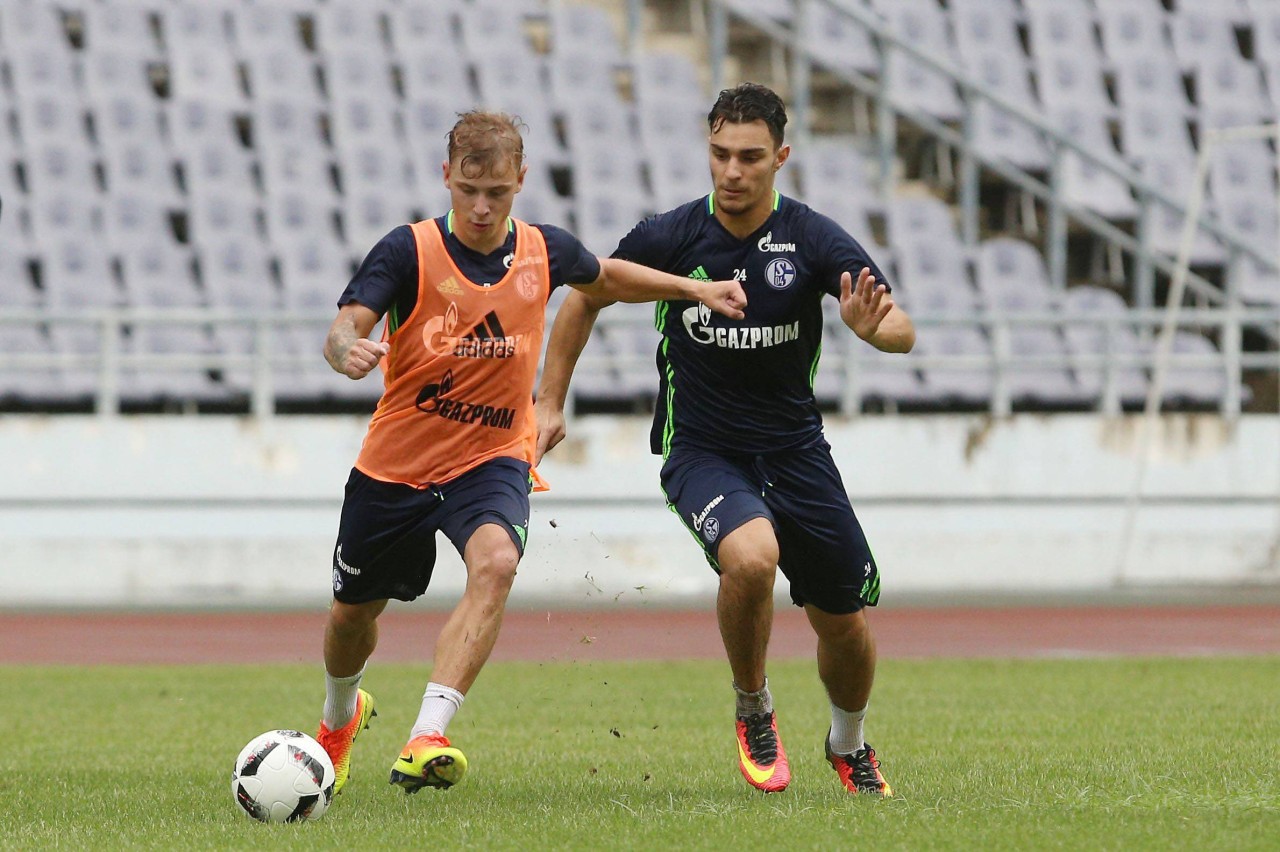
[1114,754]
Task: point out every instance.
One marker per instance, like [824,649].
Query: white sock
[340,699]
[754,703]
[846,730]
[439,703]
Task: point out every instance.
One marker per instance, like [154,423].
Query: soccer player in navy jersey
[746,466]
[451,446]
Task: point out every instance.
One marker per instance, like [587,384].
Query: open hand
[864,307]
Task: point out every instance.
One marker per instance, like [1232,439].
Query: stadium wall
[227,511]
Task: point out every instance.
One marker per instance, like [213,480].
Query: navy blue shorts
[823,552]
[387,534]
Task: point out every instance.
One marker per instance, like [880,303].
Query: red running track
[407,634]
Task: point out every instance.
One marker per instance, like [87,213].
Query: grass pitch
[1110,754]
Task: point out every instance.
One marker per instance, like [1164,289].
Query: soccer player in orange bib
[451,445]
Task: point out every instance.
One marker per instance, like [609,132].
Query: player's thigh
[486,514]
[386,545]
[713,496]
[823,550]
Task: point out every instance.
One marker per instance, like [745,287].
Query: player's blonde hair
[481,139]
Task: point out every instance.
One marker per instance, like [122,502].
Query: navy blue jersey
[388,277]
[743,386]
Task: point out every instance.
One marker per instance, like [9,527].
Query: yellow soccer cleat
[761,757]
[337,744]
[428,761]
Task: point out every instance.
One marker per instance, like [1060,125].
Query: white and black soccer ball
[283,776]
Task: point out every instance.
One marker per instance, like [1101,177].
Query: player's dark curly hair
[480,139]
[748,102]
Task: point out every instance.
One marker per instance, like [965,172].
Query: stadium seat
[1104,333]
[263,30]
[191,122]
[986,26]
[26,24]
[438,75]
[1230,79]
[578,28]
[1202,33]
[136,167]
[1195,384]
[920,219]
[996,132]
[1173,174]
[109,72]
[968,385]
[352,75]
[1061,27]
[667,78]
[206,72]
[1253,219]
[355,25]
[224,215]
[236,275]
[1150,80]
[54,120]
[1072,81]
[209,167]
[121,25]
[41,69]
[836,41]
[64,213]
[283,75]
[133,217]
[1243,169]
[1156,130]
[414,26]
[915,86]
[1132,28]
[778,11]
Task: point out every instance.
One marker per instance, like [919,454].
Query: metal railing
[973,92]
[114,359]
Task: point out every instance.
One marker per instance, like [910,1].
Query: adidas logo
[450,287]
[699,274]
[487,340]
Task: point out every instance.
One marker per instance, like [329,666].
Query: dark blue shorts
[387,534]
[823,552]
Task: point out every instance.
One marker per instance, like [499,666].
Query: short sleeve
[388,275]
[838,252]
[645,244]
[569,261]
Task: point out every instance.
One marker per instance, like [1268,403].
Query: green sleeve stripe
[669,428]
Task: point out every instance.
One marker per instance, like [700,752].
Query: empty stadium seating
[240,156]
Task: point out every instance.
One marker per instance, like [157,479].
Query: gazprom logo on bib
[780,273]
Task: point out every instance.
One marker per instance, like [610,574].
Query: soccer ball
[283,776]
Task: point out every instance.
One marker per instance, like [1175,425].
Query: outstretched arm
[348,348]
[574,321]
[623,281]
[870,313]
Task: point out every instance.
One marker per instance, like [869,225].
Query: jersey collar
[711,203]
[511,226]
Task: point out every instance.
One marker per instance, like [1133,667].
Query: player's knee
[494,568]
[756,568]
[352,618]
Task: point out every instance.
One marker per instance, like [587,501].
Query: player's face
[743,163]
[482,203]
